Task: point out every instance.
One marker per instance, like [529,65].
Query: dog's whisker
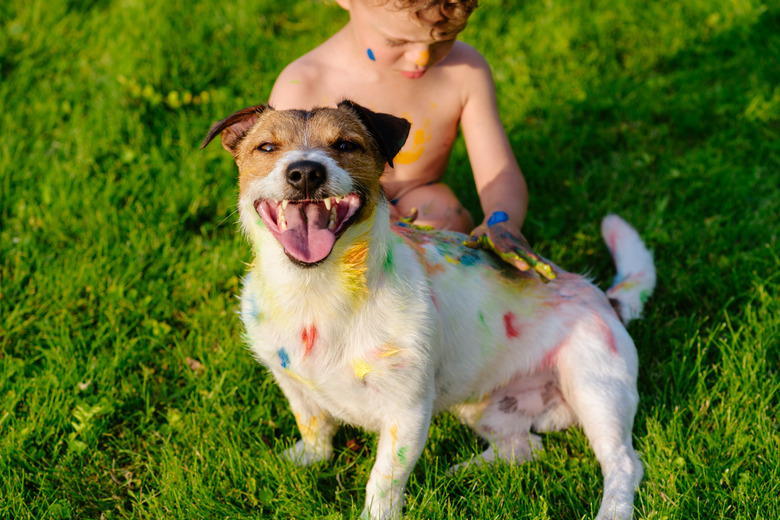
[227,217]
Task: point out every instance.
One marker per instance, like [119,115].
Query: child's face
[397,40]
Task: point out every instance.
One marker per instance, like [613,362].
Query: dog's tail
[635,278]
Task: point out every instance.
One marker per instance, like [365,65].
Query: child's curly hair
[447,17]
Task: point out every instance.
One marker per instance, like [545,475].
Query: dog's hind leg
[317,427]
[599,384]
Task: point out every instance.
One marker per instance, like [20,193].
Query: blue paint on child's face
[371,55]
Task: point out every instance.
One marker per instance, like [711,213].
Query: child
[401,57]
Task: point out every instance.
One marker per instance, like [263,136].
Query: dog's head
[310,175]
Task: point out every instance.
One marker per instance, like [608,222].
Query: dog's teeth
[337,199]
[285,203]
[327,204]
[281,219]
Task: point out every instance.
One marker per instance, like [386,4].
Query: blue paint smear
[470,257]
[371,55]
[497,217]
[284,358]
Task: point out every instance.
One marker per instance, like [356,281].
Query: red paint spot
[435,302]
[606,334]
[549,359]
[308,336]
[509,325]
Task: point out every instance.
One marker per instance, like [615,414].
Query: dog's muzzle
[308,229]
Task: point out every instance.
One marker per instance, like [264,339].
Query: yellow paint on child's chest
[418,140]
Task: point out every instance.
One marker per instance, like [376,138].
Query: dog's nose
[306,176]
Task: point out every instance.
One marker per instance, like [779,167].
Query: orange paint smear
[308,336]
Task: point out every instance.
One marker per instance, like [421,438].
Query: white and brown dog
[384,326]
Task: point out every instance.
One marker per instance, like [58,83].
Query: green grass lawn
[126,390]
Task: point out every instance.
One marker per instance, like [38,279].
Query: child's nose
[421,56]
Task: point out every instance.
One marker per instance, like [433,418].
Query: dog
[383,326]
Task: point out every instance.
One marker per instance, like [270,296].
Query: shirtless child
[401,57]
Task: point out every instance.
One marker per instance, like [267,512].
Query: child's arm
[500,183]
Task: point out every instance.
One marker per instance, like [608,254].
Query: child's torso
[432,104]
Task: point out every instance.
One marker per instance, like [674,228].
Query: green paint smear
[482,319]
[389,262]
[402,454]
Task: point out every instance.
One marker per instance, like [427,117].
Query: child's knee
[436,206]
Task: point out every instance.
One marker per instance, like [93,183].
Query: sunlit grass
[125,387]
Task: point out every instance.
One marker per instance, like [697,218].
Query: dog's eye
[345,146]
[267,147]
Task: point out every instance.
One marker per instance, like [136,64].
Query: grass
[126,391]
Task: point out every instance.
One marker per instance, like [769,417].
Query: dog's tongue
[307,237]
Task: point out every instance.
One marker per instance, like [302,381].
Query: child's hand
[501,237]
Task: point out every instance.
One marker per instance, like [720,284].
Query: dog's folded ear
[389,131]
[234,127]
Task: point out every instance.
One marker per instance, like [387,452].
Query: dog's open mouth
[307,229]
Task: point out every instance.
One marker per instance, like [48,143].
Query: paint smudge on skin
[509,325]
[295,82]
[419,138]
[370,54]
[308,336]
[284,358]
[423,58]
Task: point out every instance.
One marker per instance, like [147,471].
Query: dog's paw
[376,513]
[300,455]
[515,450]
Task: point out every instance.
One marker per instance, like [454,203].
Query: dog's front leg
[401,442]
[317,427]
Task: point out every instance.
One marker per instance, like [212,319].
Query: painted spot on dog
[361,368]
[606,333]
[353,267]
[509,326]
[389,351]
[284,358]
[401,454]
[389,263]
[308,336]
[370,54]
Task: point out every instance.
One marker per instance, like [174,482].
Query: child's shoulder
[466,67]
[301,83]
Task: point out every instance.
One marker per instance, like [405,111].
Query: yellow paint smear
[361,368]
